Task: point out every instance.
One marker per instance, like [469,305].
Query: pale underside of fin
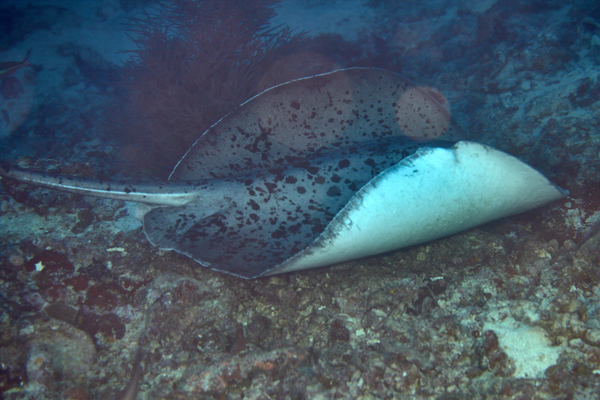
[434,193]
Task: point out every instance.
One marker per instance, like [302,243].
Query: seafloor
[509,310]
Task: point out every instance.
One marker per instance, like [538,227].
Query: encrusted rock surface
[510,310]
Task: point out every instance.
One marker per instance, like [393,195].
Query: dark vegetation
[195,61]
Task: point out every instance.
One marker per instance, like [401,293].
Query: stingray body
[261,219]
[322,170]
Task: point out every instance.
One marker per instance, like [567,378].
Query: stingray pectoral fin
[174,228]
[434,193]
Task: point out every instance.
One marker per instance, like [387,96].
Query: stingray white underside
[434,193]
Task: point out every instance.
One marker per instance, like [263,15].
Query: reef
[509,310]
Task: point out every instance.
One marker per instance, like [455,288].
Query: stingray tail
[161,194]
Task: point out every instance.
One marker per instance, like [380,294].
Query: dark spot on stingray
[370,162]
[339,112]
[334,191]
[306,165]
[254,217]
[320,180]
[318,228]
[291,179]
[270,187]
[198,233]
[254,205]
[277,234]
[278,174]
[335,178]
[295,228]
[301,189]
[330,120]
[215,222]
[295,104]
[345,163]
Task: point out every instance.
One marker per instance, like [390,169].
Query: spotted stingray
[321,170]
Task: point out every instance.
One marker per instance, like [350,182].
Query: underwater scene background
[120,90]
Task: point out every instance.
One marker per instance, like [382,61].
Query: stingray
[321,170]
